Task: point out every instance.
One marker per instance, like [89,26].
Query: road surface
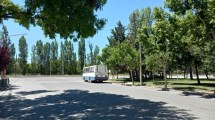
[70,98]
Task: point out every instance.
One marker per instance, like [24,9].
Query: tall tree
[33,60]
[139,19]
[62,58]
[11,68]
[81,54]
[134,25]
[75,64]
[68,54]
[7,42]
[40,57]
[118,34]
[91,54]
[72,59]
[46,54]
[23,55]
[54,57]
[6,35]
[95,55]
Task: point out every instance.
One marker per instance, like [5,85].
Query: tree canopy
[68,18]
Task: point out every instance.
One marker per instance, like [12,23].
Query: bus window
[91,69]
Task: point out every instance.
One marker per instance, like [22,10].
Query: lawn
[180,84]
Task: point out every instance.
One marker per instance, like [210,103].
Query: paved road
[69,98]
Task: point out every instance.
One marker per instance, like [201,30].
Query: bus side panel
[89,76]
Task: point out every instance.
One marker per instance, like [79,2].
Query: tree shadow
[33,92]
[203,95]
[78,104]
[10,87]
[196,84]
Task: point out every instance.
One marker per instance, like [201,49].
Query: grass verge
[207,86]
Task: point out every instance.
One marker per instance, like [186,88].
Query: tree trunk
[150,75]
[133,74]
[164,75]
[206,73]
[185,73]
[146,74]
[132,77]
[153,76]
[3,74]
[117,77]
[191,73]
[137,75]
[197,73]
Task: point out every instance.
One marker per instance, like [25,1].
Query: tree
[118,35]
[202,9]
[4,56]
[7,41]
[81,54]
[33,60]
[95,55]
[163,32]
[40,57]
[157,40]
[57,16]
[54,57]
[153,62]
[6,35]
[46,54]
[23,55]
[134,25]
[138,19]
[123,55]
[68,57]
[11,66]
[91,54]
[75,63]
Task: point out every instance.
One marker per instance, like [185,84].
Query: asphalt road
[70,98]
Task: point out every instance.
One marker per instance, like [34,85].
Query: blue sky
[113,11]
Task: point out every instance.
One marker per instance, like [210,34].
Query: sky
[113,11]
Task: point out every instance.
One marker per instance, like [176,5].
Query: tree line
[49,58]
[181,40]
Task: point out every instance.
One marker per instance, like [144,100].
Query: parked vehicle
[95,73]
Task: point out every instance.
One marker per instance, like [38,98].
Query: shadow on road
[33,92]
[78,104]
[203,95]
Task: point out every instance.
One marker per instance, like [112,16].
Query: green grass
[180,84]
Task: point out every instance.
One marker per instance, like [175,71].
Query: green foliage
[65,17]
[46,58]
[39,54]
[95,56]
[23,55]
[121,55]
[91,54]
[81,54]
[118,35]
[202,9]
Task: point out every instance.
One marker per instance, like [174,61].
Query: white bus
[95,73]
